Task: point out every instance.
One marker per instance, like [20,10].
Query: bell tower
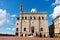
[21,8]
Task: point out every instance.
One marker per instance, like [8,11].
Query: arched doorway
[32,30]
[40,34]
[44,35]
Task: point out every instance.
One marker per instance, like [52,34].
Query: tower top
[21,8]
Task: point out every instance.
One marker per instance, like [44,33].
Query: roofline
[34,12]
[56,17]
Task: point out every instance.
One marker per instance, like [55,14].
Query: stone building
[32,24]
[57,26]
[51,30]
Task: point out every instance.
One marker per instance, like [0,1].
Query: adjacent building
[57,26]
[51,30]
[32,23]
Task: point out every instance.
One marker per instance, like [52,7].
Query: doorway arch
[32,29]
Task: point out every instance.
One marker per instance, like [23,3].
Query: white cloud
[33,10]
[56,12]
[6,32]
[2,16]
[13,29]
[8,21]
[8,28]
[2,21]
[5,17]
[57,2]
[13,15]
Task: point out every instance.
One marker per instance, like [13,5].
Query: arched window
[32,29]
[26,18]
[34,17]
[21,35]
[39,18]
[16,34]
[30,17]
[17,23]
[17,18]
[40,34]
[42,18]
[25,34]
[24,29]
[41,29]
[16,29]
[44,35]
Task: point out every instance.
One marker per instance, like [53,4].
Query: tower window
[42,18]
[41,29]
[17,34]
[30,17]
[22,17]
[17,18]
[39,18]
[16,29]
[34,17]
[25,17]
[17,23]
[24,29]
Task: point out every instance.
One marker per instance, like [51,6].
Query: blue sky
[10,9]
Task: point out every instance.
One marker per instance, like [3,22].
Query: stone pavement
[25,38]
